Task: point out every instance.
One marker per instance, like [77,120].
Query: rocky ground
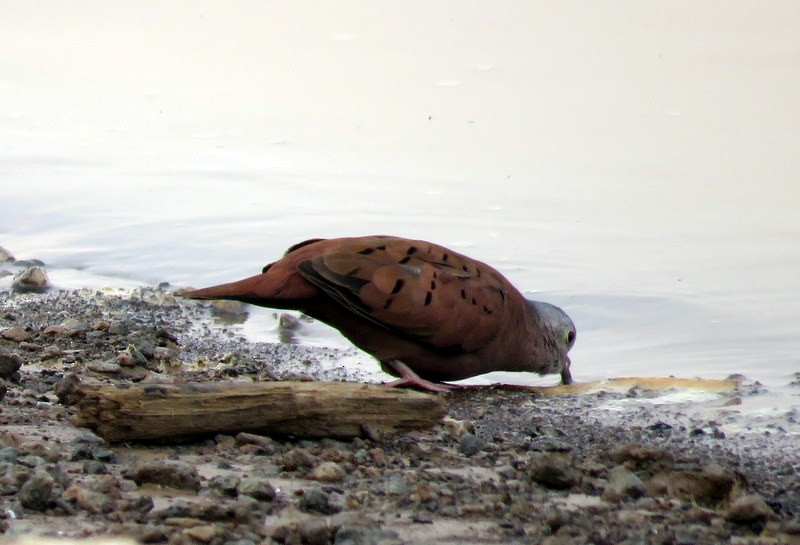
[505,466]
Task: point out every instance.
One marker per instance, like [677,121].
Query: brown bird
[428,314]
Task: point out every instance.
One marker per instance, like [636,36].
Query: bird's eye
[570,338]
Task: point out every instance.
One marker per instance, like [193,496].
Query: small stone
[233,308]
[204,534]
[625,483]
[36,494]
[101,325]
[247,508]
[397,486]
[297,458]
[10,363]
[103,367]
[329,472]
[172,473]
[162,353]
[32,279]
[89,500]
[288,321]
[138,356]
[93,467]
[124,359]
[51,351]
[73,325]
[140,504]
[552,470]
[254,487]
[470,445]
[317,501]
[117,328]
[226,485]
[748,509]
[6,256]
[265,444]
[104,455]
[9,455]
[314,531]
[30,461]
[53,330]
[16,334]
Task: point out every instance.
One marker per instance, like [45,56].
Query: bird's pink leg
[410,378]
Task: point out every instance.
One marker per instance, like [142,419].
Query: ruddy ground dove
[428,314]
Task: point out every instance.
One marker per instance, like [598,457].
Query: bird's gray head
[561,330]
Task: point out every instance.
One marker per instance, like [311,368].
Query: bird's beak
[566,376]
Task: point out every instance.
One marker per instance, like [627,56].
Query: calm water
[637,164]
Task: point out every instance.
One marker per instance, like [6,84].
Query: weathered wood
[301,409]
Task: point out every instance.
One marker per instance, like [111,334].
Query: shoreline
[506,466]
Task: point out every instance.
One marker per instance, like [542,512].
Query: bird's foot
[409,379]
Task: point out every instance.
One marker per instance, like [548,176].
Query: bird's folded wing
[449,305]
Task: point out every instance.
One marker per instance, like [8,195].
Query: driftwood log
[159,412]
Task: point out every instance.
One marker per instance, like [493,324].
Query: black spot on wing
[398,286]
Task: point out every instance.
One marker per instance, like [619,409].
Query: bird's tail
[246,290]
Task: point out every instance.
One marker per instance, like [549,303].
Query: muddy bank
[505,466]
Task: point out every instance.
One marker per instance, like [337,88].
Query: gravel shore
[505,466]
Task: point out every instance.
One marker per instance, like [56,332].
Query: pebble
[16,334]
[204,533]
[552,470]
[103,367]
[6,256]
[53,330]
[297,458]
[225,485]
[708,487]
[10,363]
[32,279]
[9,455]
[317,501]
[171,473]
[329,472]
[748,509]
[89,500]
[470,445]
[625,484]
[397,486]
[37,493]
[257,488]
[314,531]
[266,445]
[231,308]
